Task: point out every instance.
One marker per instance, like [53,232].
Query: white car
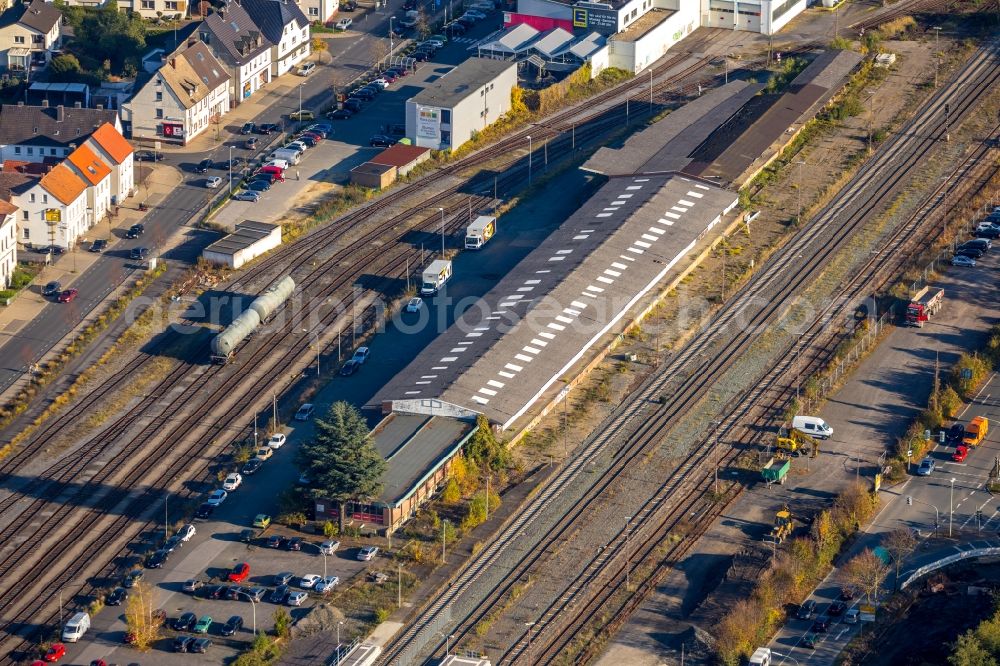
[306,69]
[476,14]
[368,553]
[482,6]
[329,547]
[361,355]
[381,83]
[343,24]
[962,260]
[186,532]
[217,497]
[281,164]
[213,182]
[327,584]
[277,440]
[436,43]
[232,481]
[296,598]
[264,452]
[309,581]
[415,304]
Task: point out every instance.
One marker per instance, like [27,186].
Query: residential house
[109,144]
[8,241]
[286,27]
[48,133]
[92,170]
[53,208]
[147,9]
[236,40]
[319,11]
[29,33]
[182,98]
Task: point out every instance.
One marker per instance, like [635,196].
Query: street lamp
[391,19]
[628,563]
[253,605]
[338,640]
[937,514]
[447,645]
[951,506]
[301,85]
[529,160]
[230,170]
[441,210]
[798,214]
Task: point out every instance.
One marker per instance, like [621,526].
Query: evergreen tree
[341,460]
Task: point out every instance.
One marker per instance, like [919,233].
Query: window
[31,151]
[52,151]
[446,137]
[446,116]
[159,113]
[45,198]
[159,96]
[19,39]
[149,4]
[31,197]
[171,4]
[314,11]
[17,150]
[38,39]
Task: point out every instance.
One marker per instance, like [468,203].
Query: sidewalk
[160,180]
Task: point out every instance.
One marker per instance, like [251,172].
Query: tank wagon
[260,309]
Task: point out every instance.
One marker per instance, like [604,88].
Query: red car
[68,295]
[55,653]
[240,572]
[961,453]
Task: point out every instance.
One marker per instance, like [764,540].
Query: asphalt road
[886,392]
[350,55]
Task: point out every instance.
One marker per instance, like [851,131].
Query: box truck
[435,276]
[480,232]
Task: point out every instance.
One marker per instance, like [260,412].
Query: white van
[76,628]
[281,164]
[813,426]
[289,156]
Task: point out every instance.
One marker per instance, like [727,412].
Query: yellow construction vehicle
[794,443]
[783,526]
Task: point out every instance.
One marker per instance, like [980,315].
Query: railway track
[875,185]
[101,512]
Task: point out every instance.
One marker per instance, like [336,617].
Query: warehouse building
[445,114]
[249,241]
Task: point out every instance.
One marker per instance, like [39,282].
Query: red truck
[923,305]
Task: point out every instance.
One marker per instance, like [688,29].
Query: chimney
[100,107]
[60,113]
[173,63]
[45,103]
[77,105]
[20,103]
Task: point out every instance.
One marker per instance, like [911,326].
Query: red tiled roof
[112,142]
[399,155]
[63,184]
[89,164]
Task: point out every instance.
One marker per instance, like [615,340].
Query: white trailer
[480,232]
[435,276]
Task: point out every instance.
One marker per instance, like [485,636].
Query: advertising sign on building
[53,215]
[429,123]
[173,129]
[595,16]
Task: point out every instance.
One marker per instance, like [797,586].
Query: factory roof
[415,446]
[247,233]
[559,301]
[461,82]
[641,27]
[553,42]
[400,155]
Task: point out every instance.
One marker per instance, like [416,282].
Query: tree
[139,618]
[900,542]
[422,25]
[341,460]
[969,652]
[319,45]
[65,67]
[866,572]
[484,448]
[282,623]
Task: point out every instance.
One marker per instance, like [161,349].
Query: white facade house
[319,11]
[29,34]
[182,99]
[53,208]
[48,133]
[236,40]
[444,115]
[147,9]
[109,144]
[8,242]
[286,27]
[97,175]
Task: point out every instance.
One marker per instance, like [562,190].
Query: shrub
[381,615]
[452,493]
[329,529]
[970,371]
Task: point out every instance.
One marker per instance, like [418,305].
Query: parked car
[135,231]
[262,520]
[173,543]
[309,140]
[415,304]
[381,141]
[327,584]
[851,616]
[329,547]
[268,128]
[274,541]
[251,467]
[295,544]
[382,82]
[217,592]
[302,115]
[203,166]
[988,232]
[259,186]
[283,578]
[962,260]
[361,355]
[232,625]
[821,625]
[191,585]
[205,511]
[424,56]
[157,559]
[213,182]
[264,452]
[343,24]
[837,609]
[961,453]
[138,253]
[349,6]
[279,595]
[368,553]
[247,535]
[926,467]
[353,105]
[200,645]
[297,598]
[807,610]
[248,128]
[349,368]
[203,625]
[183,643]
[148,156]
[256,593]
[305,412]
[809,641]
[217,497]
[971,252]
[233,592]
[117,597]
[308,581]
[232,481]
[362,94]
[340,114]
[269,178]
[99,245]
[55,652]
[184,622]
[277,440]
[67,295]
[252,196]
[52,288]
[306,69]
[251,143]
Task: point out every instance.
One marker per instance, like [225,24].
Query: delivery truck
[480,232]
[435,276]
